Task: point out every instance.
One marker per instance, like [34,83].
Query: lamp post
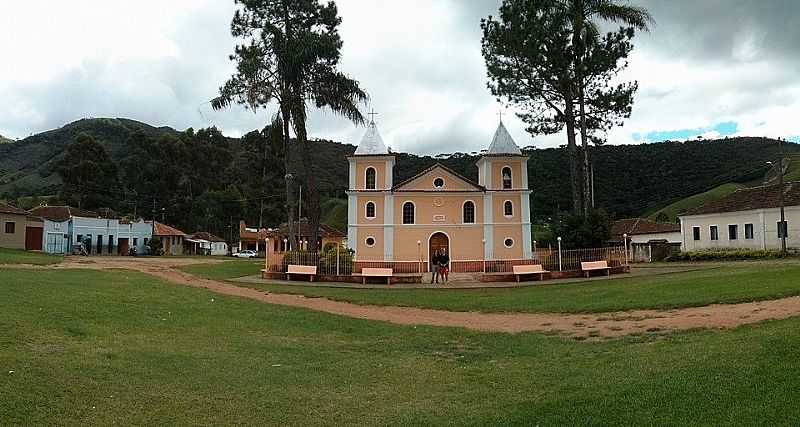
[782,228]
[484,254]
[266,255]
[625,242]
[559,254]
[419,255]
[534,249]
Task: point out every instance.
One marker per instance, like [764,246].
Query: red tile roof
[8,209]
[204,235]
[634,226]
[746,199]
[305,230]
[61,213]
[166,230]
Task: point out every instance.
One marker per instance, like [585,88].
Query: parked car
[246,254]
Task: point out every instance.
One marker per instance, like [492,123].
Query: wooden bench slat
[519,270]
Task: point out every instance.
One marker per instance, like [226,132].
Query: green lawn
[102,348]
[228,269]
[729,283]
[16,256]
[696,200]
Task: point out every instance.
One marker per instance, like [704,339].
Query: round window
[370,241]
[438,182]
[509,242]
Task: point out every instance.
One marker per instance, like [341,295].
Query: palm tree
[583,17]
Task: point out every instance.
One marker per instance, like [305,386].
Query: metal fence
[342,263]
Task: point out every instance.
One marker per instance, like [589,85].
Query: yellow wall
[380,176]
[430,205]
[516,173]
[17,239]
[425,182]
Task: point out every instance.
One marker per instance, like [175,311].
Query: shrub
[733,254]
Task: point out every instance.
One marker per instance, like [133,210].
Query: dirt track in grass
[581,326]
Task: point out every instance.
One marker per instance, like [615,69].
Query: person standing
[435,266]
[444,265]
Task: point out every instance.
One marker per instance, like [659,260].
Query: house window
[370,178]
[506,173]
[508,208]
[714,231]
[733,231]
[783,229]
[145,241]
[11,227]
[135,241]
[370,241]
[748,231]
[408,213]
[110,243]
[370,210]
[79,238]
[695,233]
[509,242]
[469,212]
[438,182]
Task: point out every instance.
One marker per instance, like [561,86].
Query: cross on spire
[500,114]
[372,115]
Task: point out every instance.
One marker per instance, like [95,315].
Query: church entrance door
[438,241]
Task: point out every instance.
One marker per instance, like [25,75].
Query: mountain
[629,180]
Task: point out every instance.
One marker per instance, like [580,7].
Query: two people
[440,265]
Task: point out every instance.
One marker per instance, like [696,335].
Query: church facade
[437,208]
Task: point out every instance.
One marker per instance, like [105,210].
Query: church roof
[502,143]
[371,143]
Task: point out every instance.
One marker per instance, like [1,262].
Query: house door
[33,238]
[122,246]
[439,241]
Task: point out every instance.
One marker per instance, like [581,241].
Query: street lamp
[782,228]
[484,255]
[559,254]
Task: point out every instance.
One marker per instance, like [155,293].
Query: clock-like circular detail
[438,202]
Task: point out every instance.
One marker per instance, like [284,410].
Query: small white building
[748,218]
[647,240]
[65,228]
[203,243]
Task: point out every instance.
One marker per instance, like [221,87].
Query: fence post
[625,240]
[337,258]
[559,253]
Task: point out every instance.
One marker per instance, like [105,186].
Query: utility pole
[299,215]
[782,228]
[591,167]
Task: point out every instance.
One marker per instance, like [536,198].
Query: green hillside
[672,210]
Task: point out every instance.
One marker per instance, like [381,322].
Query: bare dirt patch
[579,326]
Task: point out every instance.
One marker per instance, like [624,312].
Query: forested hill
[629,179]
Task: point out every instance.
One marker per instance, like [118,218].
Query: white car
[246,254]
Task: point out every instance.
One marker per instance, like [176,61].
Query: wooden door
[33,238]
[122,246]
[438,242]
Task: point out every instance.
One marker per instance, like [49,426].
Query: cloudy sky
[709,67]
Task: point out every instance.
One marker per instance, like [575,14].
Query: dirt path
[598,325]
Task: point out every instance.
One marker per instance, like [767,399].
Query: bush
[725,255]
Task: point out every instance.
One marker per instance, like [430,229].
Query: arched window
[370,210]
[508,208]
[506,178]
[370,178]
[469,212]
[408,213]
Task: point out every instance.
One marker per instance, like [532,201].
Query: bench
[588,267]
[376,272]
[306,270]
[520,270]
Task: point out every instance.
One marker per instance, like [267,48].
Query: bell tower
[370,201]
[503,172]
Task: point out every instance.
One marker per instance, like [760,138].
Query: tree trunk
[286,166]
[573,159]
[587,201]
[311,185]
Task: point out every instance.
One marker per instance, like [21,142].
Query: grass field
[726,283]
[101,348]
[15,256]
[716,193]
[227,269]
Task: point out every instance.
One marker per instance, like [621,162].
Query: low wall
[510,277]
[405,278]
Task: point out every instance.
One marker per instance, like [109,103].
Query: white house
[747,218]
[647,240]
[64,227]
[203,243]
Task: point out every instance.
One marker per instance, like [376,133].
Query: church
[438,208]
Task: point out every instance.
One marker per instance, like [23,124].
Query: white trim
[365,177]
[352,177]
[752,231]
[374,209]
[389,173]
[444,183]
[505,239]
[737,232]
[711,235]
[524,173]
[512,209]
[699,233]
[474,212]
[403,209]
[457,224]
[374,241]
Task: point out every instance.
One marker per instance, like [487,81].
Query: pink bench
[376,272]
[520,270]
[588,267]
[304,270]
